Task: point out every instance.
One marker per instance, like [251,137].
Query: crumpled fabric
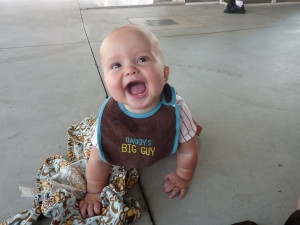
[61,185]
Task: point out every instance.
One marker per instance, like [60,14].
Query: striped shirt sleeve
[187,126]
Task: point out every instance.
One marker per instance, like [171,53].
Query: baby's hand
[91,205]
[175,185]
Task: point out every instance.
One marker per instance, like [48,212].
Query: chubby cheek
[157,85]
[157,89]
[114,87]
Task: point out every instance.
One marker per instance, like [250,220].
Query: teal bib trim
[173,100]
[139,116]
[99,131]
[153,111]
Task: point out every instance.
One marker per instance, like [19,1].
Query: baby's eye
[142,59]
[115,66]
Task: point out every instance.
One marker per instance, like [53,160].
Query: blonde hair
[147,34]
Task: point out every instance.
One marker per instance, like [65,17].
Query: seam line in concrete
[95,61]
[146,202]
[45,45]
[224,31]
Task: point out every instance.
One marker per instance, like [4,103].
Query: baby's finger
[168,187]
[97,208]
[81,204]
[175,191]
[83,208]
[182,193]
[169,176]
[167,183]
[91,210]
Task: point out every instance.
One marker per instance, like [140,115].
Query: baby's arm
[187,156]
[97,175]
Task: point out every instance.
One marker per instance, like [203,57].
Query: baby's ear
[166,73]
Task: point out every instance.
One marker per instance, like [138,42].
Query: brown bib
[138,140]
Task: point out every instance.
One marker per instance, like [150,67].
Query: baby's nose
[130,70]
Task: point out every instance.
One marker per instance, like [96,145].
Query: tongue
[137,88]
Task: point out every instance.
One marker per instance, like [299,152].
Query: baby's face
[134,69]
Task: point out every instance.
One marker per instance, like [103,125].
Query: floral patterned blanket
[61,184]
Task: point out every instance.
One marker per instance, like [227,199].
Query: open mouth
[136,88]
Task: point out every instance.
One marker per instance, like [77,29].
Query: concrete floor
[240,75]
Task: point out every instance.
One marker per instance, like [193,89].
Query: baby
[143,121]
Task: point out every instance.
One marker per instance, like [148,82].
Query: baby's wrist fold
[184,175]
